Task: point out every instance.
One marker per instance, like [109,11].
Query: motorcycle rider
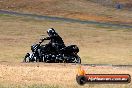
[56,41]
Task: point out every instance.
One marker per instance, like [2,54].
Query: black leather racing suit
[56,42]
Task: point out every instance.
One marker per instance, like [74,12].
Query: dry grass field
[98,45]
[40,75]
[77,9]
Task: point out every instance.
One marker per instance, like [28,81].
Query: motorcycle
[47,54]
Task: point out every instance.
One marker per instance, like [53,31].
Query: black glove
[47,38]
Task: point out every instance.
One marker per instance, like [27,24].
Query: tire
[76,59]
[27,58]
[44,59]
[81,80]
[36,59]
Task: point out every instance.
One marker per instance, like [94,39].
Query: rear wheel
[76,59]
[72,59]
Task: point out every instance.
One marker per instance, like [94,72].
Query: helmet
[51,32]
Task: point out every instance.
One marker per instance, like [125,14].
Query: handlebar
[41,40]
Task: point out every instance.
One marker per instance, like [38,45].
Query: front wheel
[27,58]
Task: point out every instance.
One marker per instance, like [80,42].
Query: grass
[82,9]
[40,75]
[28,86]
[4,15]
[97,44]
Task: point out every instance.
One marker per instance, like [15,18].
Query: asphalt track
[64,19]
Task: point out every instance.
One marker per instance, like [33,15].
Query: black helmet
[51,32]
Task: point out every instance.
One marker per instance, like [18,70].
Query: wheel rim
[27,59]
[77,60]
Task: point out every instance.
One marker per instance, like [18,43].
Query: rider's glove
[47,38]
[42,39]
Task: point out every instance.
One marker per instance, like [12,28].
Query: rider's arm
[51,37]
[47,38]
